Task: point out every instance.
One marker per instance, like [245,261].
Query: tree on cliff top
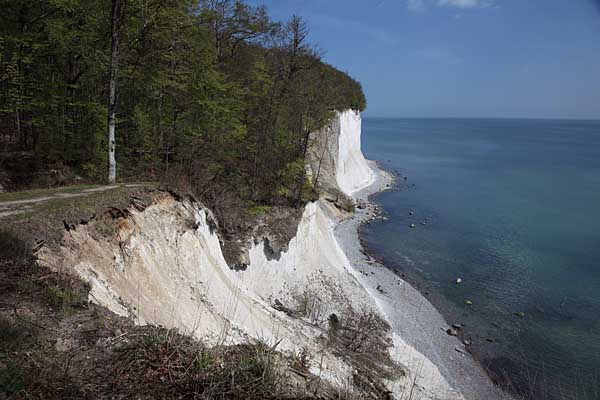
[210,90]
[116,18]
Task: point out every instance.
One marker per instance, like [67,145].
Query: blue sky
[462,58]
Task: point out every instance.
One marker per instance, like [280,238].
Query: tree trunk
[112,100]
[18,122]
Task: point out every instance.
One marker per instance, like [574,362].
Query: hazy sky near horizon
[462,58]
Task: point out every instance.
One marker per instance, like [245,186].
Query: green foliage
[59,297]
[259,210]
[214,89]
[155,338]
[10,331]
[203,361]
[257,365]
[12,248]
[11,380]
[288,178]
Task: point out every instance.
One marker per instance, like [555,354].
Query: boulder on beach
[451,332]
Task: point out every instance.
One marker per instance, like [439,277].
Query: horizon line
[489,118]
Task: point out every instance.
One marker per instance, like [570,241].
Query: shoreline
[418,325]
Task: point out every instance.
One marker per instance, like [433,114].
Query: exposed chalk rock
[166,267]
[352,170]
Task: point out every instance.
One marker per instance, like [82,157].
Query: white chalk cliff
[352,173]
[167,268]
[336,163]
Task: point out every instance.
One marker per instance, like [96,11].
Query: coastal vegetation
[204,112]
[56,345]
[212,93]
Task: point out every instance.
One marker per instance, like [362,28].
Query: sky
[461,58]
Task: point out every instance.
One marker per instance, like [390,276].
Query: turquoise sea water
[513,208]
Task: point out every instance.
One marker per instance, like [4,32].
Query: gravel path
[13,207]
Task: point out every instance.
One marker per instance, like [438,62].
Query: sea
[510,208]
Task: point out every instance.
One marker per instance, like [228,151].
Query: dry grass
[46,222]
[362,340]
[70,349]
[54,345]
[32,194]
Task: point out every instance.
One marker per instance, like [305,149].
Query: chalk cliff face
[165,266]
[352,171]
[336,163]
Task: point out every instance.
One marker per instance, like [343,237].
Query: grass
[106,227]
[65,206]
[35,193]
[164,364]
[11,331]
[46,221]
[155,338]
[12,380]
[12,247]
[309,306]
[148,362]
[59,297]
[362,340]
[203,361]
[110,357]
[256,211]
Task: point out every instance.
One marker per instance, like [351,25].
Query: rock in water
[468,302]
[413,226]
[451,332]
[520,314]
[458,280]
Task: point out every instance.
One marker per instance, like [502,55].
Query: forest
[212,93]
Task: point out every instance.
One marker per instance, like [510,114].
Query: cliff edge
[164,265]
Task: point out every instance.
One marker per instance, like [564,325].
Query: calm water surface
[513,208]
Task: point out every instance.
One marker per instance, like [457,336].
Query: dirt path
[26,201]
